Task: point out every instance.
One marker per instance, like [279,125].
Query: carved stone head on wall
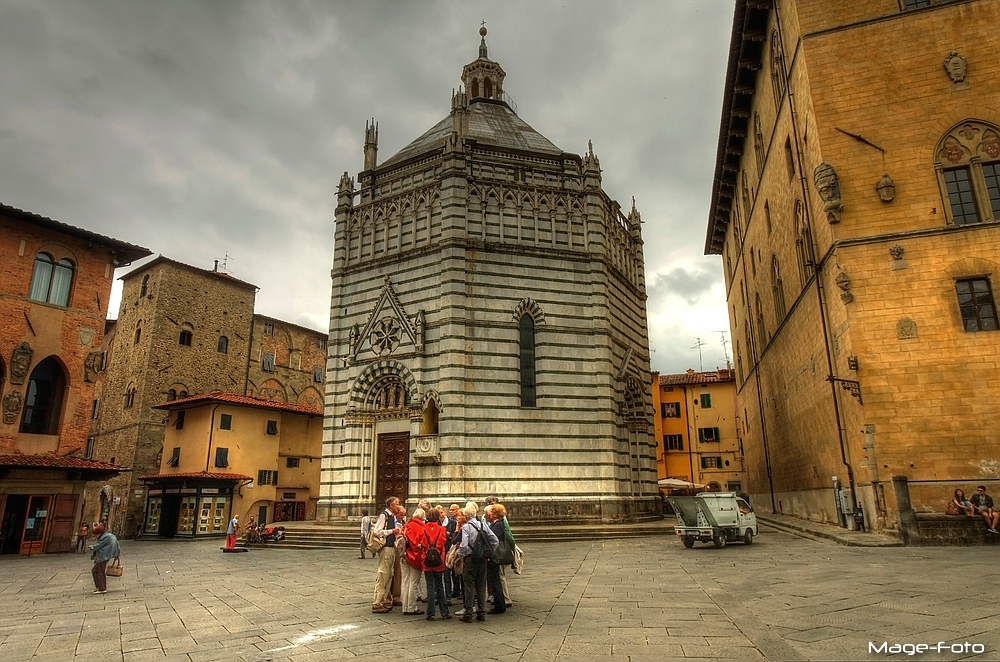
[828,186]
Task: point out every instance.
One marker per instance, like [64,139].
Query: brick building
[488,325]
[694,415]
[287,363]
[855,207]
[55,282]
[184,331]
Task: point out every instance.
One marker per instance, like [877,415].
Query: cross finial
[482,44]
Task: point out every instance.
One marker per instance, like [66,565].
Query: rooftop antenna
[223,266]
[698,345]
[725,347]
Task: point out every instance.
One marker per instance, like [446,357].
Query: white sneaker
[460,612]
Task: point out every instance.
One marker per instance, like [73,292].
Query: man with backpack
[385,528]
[477,547]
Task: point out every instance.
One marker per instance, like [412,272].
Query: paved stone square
[783,598]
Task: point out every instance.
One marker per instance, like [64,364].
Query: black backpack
[433,557]
[481,550]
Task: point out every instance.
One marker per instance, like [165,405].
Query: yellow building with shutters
[226,455]
[696,429]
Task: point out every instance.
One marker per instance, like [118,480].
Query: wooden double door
[37,523]
[393,467]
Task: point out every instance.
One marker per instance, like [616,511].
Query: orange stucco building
[695,422]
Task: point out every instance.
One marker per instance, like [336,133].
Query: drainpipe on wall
[817,270]
[211,432]
[687,418]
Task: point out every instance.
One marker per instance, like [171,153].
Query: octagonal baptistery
[488,326]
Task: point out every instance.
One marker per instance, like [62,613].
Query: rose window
[384,337]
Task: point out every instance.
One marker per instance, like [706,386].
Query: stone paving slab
[783,598]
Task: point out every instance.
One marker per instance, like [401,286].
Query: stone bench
[941,529]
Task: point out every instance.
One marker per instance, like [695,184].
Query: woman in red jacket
[435,536]
[416,547]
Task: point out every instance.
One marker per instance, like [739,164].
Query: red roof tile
[55,462]
[692,377]
[197,474]
[245,400]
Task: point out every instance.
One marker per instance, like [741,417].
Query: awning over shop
[76,468]
[195,477]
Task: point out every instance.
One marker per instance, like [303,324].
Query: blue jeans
[435,592]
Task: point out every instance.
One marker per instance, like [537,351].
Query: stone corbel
[843,281]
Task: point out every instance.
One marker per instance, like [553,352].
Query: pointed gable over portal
[388,329]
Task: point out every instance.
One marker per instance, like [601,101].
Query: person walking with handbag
[103,550]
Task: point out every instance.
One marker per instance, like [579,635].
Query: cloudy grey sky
[214,128]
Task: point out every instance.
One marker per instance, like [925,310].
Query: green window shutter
[717,437]
[704,464]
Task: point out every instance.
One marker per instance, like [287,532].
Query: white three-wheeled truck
[717,517]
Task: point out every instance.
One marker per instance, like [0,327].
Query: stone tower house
[181,331]
[855,208]
[488,325]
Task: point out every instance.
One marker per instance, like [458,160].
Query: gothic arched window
[967,162]
[803,244]
[44,398]
[777,68]
[777,289]
[758,144]
[761,331]
[526,345]
[429,421]
[635,405]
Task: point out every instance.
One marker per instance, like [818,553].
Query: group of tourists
[459,553]
[980,504]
